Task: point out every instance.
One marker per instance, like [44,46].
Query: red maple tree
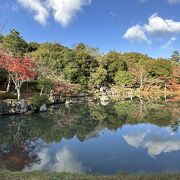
[19,69]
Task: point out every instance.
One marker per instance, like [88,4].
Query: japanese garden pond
[125,136]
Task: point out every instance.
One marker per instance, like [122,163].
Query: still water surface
[128,136]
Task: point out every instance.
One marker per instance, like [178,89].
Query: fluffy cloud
[157,27]
[63,11]
[39,9]
[135,33]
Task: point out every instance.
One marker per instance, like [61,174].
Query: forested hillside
[50,62]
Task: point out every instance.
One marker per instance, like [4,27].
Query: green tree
[123,78]
[160,71]
[71,73]
[132,58]
[80,47]
[175,57]
[139,72]
[71,70]
[86,64]
[49,59]
[113,62]
[99,76]
[45,85]
[33,46]
[159,68]
[13,43]
[1,38]
[74,65]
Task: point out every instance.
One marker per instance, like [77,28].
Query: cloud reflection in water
[156,142]
[62,160]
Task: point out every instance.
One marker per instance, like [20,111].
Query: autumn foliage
[20,69]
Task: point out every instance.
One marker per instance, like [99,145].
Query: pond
[87,137]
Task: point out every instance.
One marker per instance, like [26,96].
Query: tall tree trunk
[141,83]
[18,93]
[9,84]
[41,93]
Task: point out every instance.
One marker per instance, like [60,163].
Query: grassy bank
[7,175]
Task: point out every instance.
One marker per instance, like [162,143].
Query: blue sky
[147,26]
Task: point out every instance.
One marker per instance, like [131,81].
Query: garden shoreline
[25,106]
[7,175]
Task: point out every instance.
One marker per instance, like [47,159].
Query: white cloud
[63,11]
[59,161]
[158,25]
[135,33]
[169,43]
[39,9]
[156,28]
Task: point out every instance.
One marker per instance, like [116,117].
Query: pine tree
[175,57]
[13,43]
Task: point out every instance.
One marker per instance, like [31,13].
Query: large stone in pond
[43,108]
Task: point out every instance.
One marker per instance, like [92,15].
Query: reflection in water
[156,147]
[135,139]
[15,151]
[62,160]
[156,142]
[128,130]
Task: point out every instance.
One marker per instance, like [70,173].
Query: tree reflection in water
[19,135]
[18,148]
